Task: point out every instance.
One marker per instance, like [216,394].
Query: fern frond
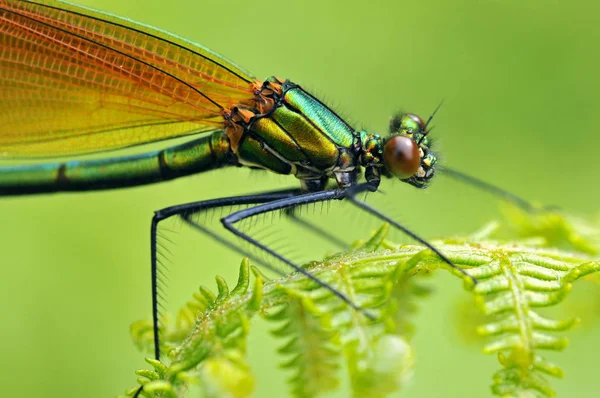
[556,229]
[513,283]
[206,342]
[311,349]
[365,344]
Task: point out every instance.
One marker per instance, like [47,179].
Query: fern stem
[207,340]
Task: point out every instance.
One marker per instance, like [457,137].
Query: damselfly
[77,81]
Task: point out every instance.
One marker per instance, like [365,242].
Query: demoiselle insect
[76,81]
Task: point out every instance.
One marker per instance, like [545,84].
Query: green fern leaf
[311,349]
[513,283]
[206,342]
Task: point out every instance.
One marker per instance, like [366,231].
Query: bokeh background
[520,81]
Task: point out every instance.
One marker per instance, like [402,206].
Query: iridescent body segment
[298,134]
[320,115]
[203,154]
[75,81]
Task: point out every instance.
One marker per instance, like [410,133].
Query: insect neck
[370,156]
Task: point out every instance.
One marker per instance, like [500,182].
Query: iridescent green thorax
[291,132]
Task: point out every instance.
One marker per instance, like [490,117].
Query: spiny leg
[226,242]
[267,202]
[292,202]
[313,185]
[187,218]
[352,192]
[189,209]
[291,214]
[283,204]
[186,210]
[372,185]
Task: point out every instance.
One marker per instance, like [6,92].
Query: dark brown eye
[401,157]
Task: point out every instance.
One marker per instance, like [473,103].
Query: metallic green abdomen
[192,157]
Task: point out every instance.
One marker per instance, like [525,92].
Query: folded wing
[74,80]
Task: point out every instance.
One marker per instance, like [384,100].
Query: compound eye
[401,156]
[417,120]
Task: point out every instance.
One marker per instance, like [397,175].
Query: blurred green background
[521,85]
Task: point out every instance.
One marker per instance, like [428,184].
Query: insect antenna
[425,132]
[496,191]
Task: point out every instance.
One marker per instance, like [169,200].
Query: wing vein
[77,81]
[105,61]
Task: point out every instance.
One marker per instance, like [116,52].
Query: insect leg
[186,210]
[267,202]
[351,195]
[282,204]
[315,229]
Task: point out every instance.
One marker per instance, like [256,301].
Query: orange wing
[74,80]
